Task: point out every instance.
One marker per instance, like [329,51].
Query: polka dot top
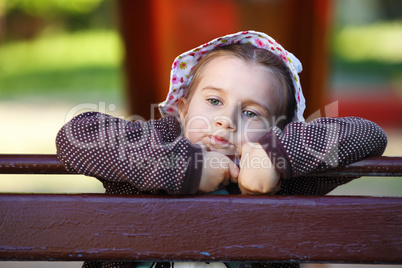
[131,158]
[303,148]
[152,157]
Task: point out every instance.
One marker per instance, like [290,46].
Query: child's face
[232,104]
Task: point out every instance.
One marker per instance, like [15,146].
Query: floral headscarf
[183,64]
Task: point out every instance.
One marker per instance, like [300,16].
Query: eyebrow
[247,102]
[213,88]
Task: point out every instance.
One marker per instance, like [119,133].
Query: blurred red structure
[156,31]
[384,107]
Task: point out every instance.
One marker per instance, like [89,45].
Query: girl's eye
[250,114]
[214,101]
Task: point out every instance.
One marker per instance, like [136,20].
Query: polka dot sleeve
[302,148]
[131,157]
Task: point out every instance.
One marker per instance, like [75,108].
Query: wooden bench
[77,227]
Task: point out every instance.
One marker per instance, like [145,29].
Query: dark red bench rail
[60,227]
[201,228]
[49,164]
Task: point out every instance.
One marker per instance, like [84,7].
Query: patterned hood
[180,74]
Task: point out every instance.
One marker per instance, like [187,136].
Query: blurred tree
[50,8]
[2,10]
[26,19]
[392,9]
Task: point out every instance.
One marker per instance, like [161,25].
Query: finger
[240,184]
[226,179]
[244,148]
[244,185]
[233,172]
[240,151]
[246,191]
[241,162]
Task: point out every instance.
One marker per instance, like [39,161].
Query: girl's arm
[302,148]
[148,156]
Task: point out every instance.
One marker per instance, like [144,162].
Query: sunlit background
[61,57]
[55,55]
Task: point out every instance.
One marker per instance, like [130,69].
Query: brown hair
[250,53]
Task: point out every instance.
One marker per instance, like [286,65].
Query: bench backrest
[200,228]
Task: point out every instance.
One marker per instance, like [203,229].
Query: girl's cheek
[251,137]
[253,132]
[195,129]
[194,137]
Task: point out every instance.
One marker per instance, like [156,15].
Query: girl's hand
[257,173]
[218,169]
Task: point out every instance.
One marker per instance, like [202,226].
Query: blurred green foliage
[27,19]
[380,41]
[60,49]
[366,45]
[78,66]
[367,55]
[51,8]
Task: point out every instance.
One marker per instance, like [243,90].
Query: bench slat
[49,164]
[31,164]
[201,228]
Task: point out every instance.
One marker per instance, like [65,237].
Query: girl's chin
[231,153]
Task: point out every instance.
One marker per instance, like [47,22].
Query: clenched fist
[257,173]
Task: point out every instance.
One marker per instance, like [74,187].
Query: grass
[367,55]
[86,82]
[75,66]
[380,41]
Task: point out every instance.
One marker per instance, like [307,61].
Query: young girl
[233,121]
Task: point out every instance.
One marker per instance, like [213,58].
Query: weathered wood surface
[31,164]
[201,228]
[49,164]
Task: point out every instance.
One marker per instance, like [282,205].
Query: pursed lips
[219,141]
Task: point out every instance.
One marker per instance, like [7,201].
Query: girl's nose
[225,122]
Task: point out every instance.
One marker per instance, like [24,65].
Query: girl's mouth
[219,141]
